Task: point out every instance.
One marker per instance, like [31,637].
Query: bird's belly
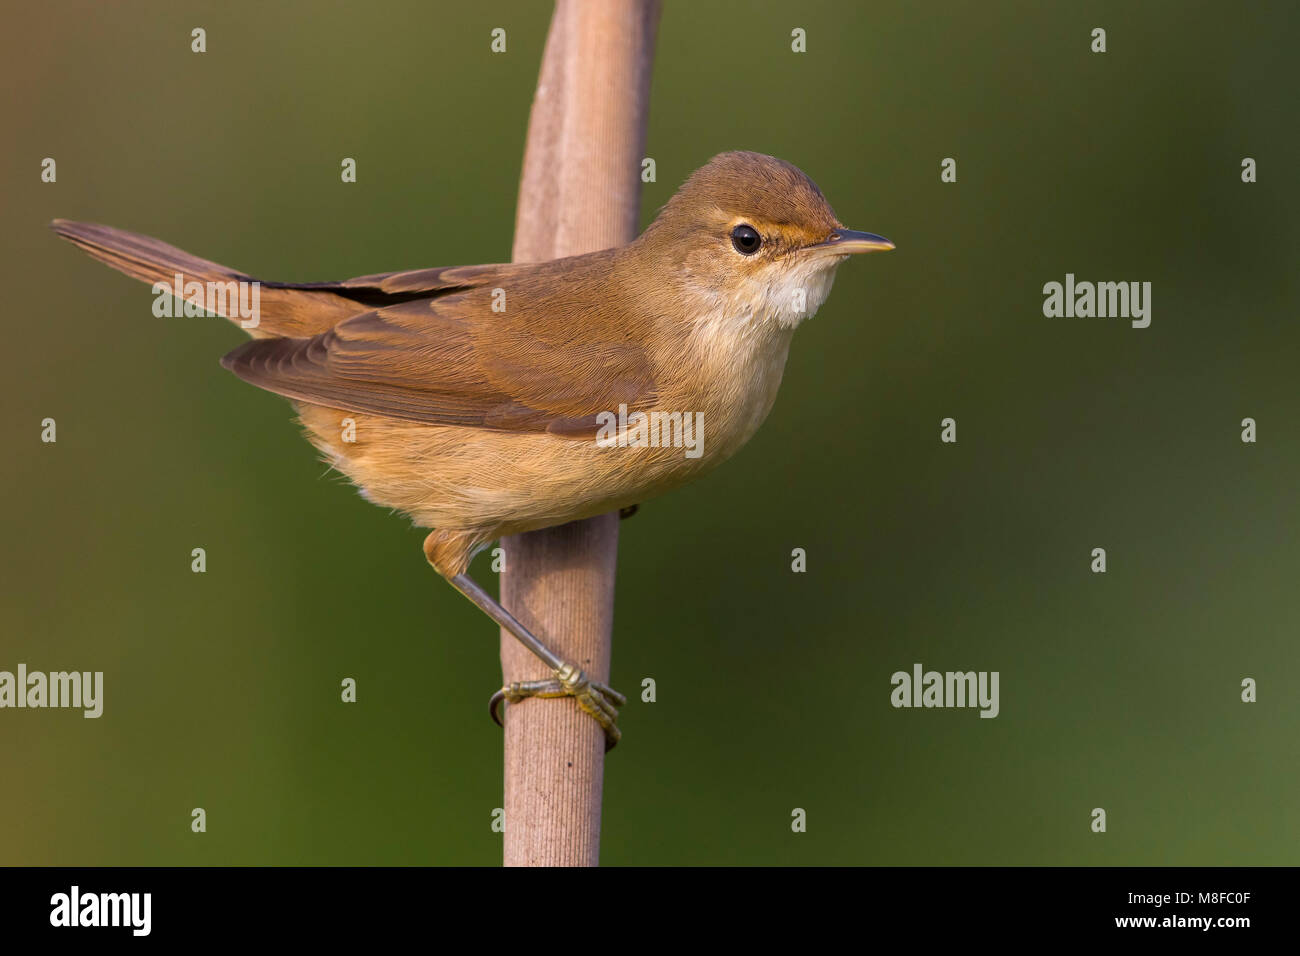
[462,478]
[450,477]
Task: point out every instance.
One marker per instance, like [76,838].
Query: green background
[1119,691]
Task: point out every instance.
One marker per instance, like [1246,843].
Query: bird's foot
[599,700]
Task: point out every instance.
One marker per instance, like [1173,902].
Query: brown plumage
[475,391]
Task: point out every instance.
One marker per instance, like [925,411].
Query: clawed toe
[599,700]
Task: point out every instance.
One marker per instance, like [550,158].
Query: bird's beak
[846,242]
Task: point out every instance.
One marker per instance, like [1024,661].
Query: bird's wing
[542,360]
[387,288]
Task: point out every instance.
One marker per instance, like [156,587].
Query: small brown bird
[487,400]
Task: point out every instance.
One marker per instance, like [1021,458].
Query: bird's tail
[284,310]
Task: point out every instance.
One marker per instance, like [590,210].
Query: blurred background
[1118,690]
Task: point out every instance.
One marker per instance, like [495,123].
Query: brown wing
[387,288]
[546,363]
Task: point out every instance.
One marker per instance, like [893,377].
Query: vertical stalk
[580,192]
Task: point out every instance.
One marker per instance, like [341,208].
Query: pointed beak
[846,242]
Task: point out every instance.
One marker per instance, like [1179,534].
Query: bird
[487,400]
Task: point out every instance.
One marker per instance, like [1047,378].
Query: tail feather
[141,257]
[285,311]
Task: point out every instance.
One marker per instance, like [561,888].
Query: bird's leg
[597,699]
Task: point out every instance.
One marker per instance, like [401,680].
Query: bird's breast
[730,374]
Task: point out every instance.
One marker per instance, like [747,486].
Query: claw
[599,700]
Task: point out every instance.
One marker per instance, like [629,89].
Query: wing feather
[444,356]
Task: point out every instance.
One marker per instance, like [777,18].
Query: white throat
[801,291]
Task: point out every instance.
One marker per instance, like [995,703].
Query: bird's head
[755,235]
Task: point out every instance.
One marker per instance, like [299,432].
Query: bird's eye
[746,240]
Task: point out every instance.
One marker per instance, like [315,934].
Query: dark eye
[746,240]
